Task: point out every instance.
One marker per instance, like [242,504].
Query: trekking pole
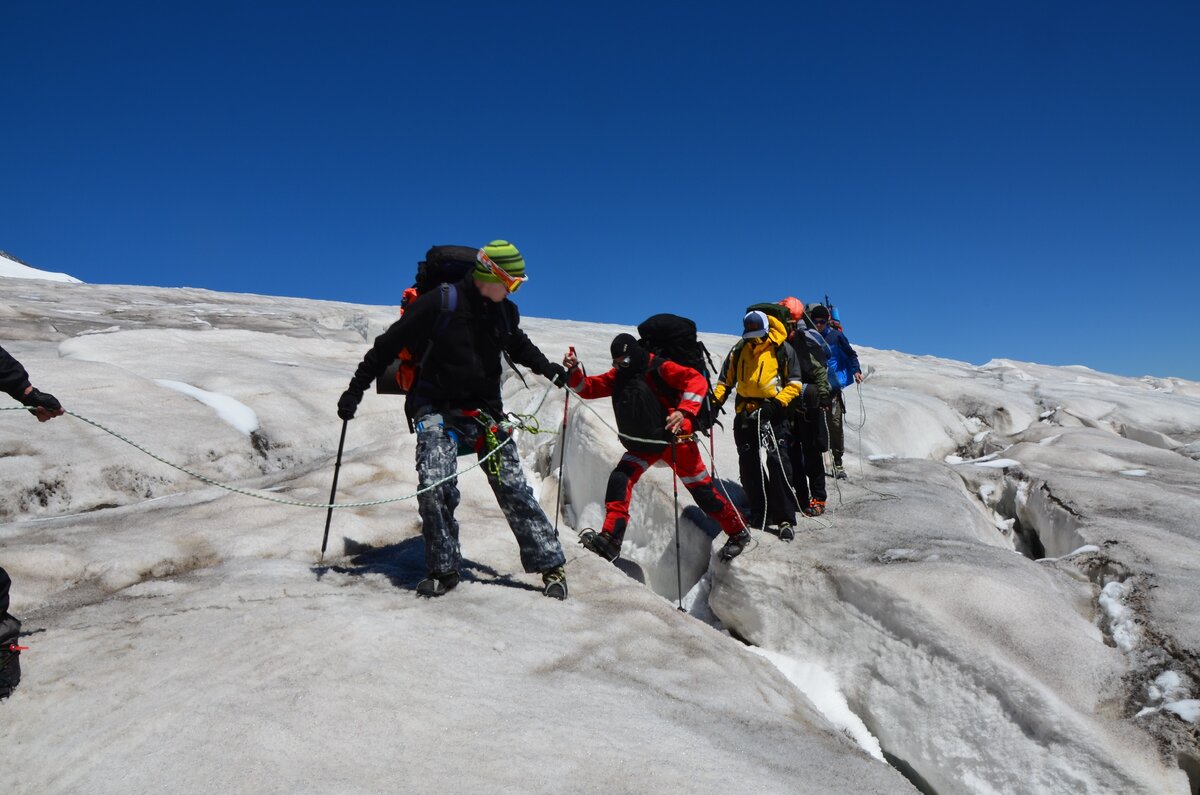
[678,564]
[333,491]
[562,456]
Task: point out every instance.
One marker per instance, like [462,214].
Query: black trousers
[10,627]
[808,465]
[780,503]
[837,441]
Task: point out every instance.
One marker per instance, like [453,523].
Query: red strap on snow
[15,647]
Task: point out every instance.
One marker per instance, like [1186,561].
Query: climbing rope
[778,454]
[862,407]
[527,422]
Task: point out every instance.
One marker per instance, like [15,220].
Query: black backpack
[639,413]
[673,337]
[442,267]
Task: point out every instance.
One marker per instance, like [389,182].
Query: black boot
[603,544]
[555,582]
[437,584]
[734,545]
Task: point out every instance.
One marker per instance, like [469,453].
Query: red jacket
[690,387]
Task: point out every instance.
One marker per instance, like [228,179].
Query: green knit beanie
[505,255]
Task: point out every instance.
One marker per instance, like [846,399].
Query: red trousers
[691,472]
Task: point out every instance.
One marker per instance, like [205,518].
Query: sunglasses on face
[511,283]
[622,361]
[819,321]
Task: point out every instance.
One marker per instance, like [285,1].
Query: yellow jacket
[756,375]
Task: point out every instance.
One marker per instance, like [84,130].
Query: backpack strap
[660,381]
[506,332]
[712,368]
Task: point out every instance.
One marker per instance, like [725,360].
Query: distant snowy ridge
[13,268]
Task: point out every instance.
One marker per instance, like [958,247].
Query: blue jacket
[843,361]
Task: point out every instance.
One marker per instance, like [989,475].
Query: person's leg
[781,499]
[814,466]
[620,490]
[689,468]
[536,537]
[797,453]
[10,628]
[437,458]
[836,437]
[745,437]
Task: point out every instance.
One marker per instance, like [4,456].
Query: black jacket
[13,378]
[463,366]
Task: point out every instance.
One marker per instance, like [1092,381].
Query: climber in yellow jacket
[763,372]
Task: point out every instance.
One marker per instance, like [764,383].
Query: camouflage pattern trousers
[439,440]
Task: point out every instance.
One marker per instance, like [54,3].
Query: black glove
[812,396]
[827,403]
[770,411]
[40,400]
[349,403]
[557,375]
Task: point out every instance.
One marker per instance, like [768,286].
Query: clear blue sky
[965,179]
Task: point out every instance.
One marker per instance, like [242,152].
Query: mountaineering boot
[555,581]
[437,584]
[814,508]
[786,533]
[838,472]
[734,545]
[603,544]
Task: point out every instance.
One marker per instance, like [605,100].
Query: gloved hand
[827,403]
[348,403]
[811,396]
[770,410]
[557,375]
[45,406]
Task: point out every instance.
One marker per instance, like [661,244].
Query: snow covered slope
[999,601]
[13,269]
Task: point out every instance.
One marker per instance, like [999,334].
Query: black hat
[626,347]
[818,312]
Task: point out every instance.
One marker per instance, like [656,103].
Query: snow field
[187,635]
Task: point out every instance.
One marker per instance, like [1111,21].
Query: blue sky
[968,180]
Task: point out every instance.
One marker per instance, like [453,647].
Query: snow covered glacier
[1001,599]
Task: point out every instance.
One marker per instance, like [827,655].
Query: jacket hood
[776,331]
